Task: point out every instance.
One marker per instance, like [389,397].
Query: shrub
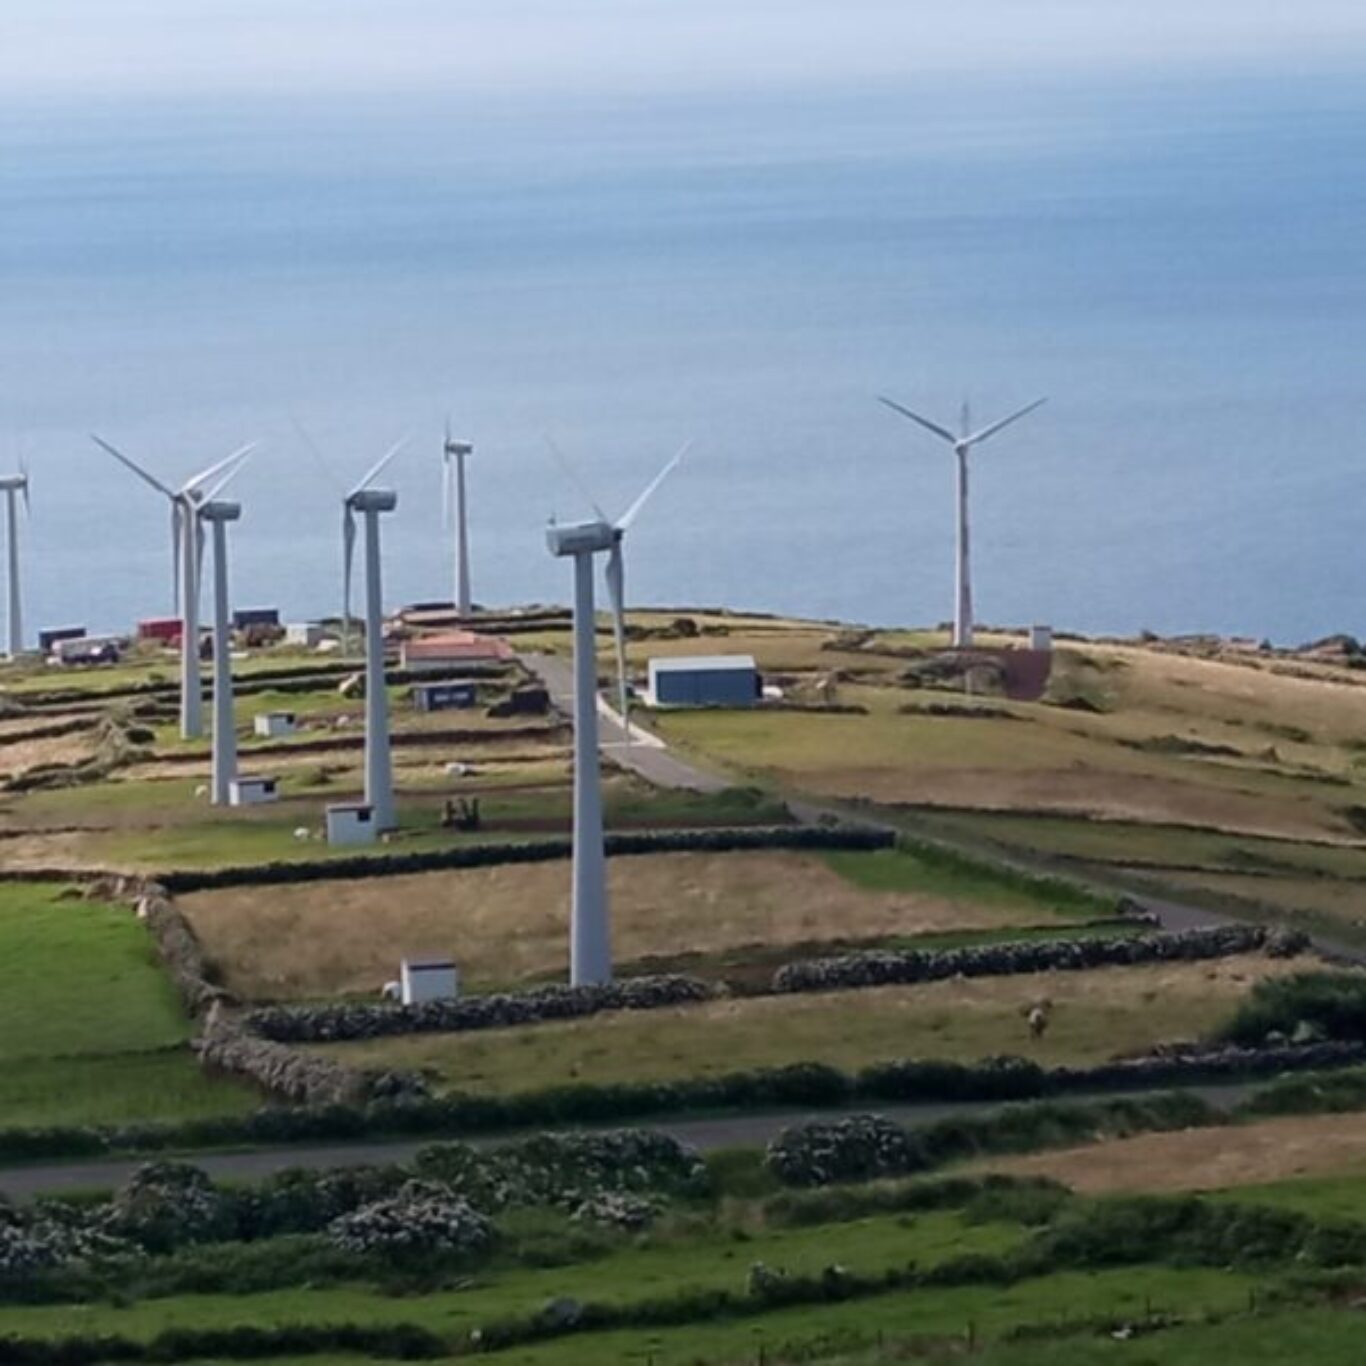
[165,1204]
[422,1220]
[1329,1005]
[858,1148]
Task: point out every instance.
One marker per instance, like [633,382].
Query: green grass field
[666,1267]
[90,1028]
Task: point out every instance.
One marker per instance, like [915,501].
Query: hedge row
[808,1085]
[882,967]
[723,839]
[332,1023]
[1181,1231]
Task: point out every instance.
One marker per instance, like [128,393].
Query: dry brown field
[511,922]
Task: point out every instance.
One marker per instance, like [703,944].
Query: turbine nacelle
[581,538]
[372,500]
[219,511]
[13,483]
[459,447]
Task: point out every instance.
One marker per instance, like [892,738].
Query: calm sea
[1178,262]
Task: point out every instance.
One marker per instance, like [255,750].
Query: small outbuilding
[452,650]
[244,618]
[351,823]
[163,630]
[274,725]
[1040,637]
[49,638]
[448,695]
[704,681]
[253,791]
[428,979]
[309,634]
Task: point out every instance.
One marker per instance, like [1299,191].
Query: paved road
[741,1130]
[646,754]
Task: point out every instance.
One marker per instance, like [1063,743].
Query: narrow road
[708,1134]
[645,754]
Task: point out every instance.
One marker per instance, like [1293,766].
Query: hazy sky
[211,48]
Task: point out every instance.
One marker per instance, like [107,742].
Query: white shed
[309,634]
[428,979]
[351,823]
[253,791]
[274,725]
[1040,637]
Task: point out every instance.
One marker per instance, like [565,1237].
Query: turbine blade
[23,488]
[127,463]
[232,474]
[632,512]
[317,455]
[616,593]
[563,461]
[1004,422]
[228,467]
[923,421]
[378,467]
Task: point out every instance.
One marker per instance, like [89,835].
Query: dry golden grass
[505,923]
[1204,1159]
[1096,1015]
[1105,794]
[23,755]
[1342,899]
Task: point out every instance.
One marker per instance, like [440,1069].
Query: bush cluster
[331,1023]
[1307,1006]
[871,1147]
[716,840]
[882,967]
[564,1169]
[420,1221]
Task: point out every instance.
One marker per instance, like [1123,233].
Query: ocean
[1176,257]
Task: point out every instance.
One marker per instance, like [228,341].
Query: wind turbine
[453,453]
[217,514]
[13,486]
[370,502]
[186,545]
[962,444]
[590,949]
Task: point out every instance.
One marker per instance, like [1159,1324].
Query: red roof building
[452,650]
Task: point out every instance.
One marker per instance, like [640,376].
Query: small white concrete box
[272,725]
[309,634]
[428,979]
[253,791]
[1040,637]
[351,823]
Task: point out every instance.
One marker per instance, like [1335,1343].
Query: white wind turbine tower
[216,513]
[590,949]
[453,454]
[370,502]
[14,486]
[186,547]
[962,444]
